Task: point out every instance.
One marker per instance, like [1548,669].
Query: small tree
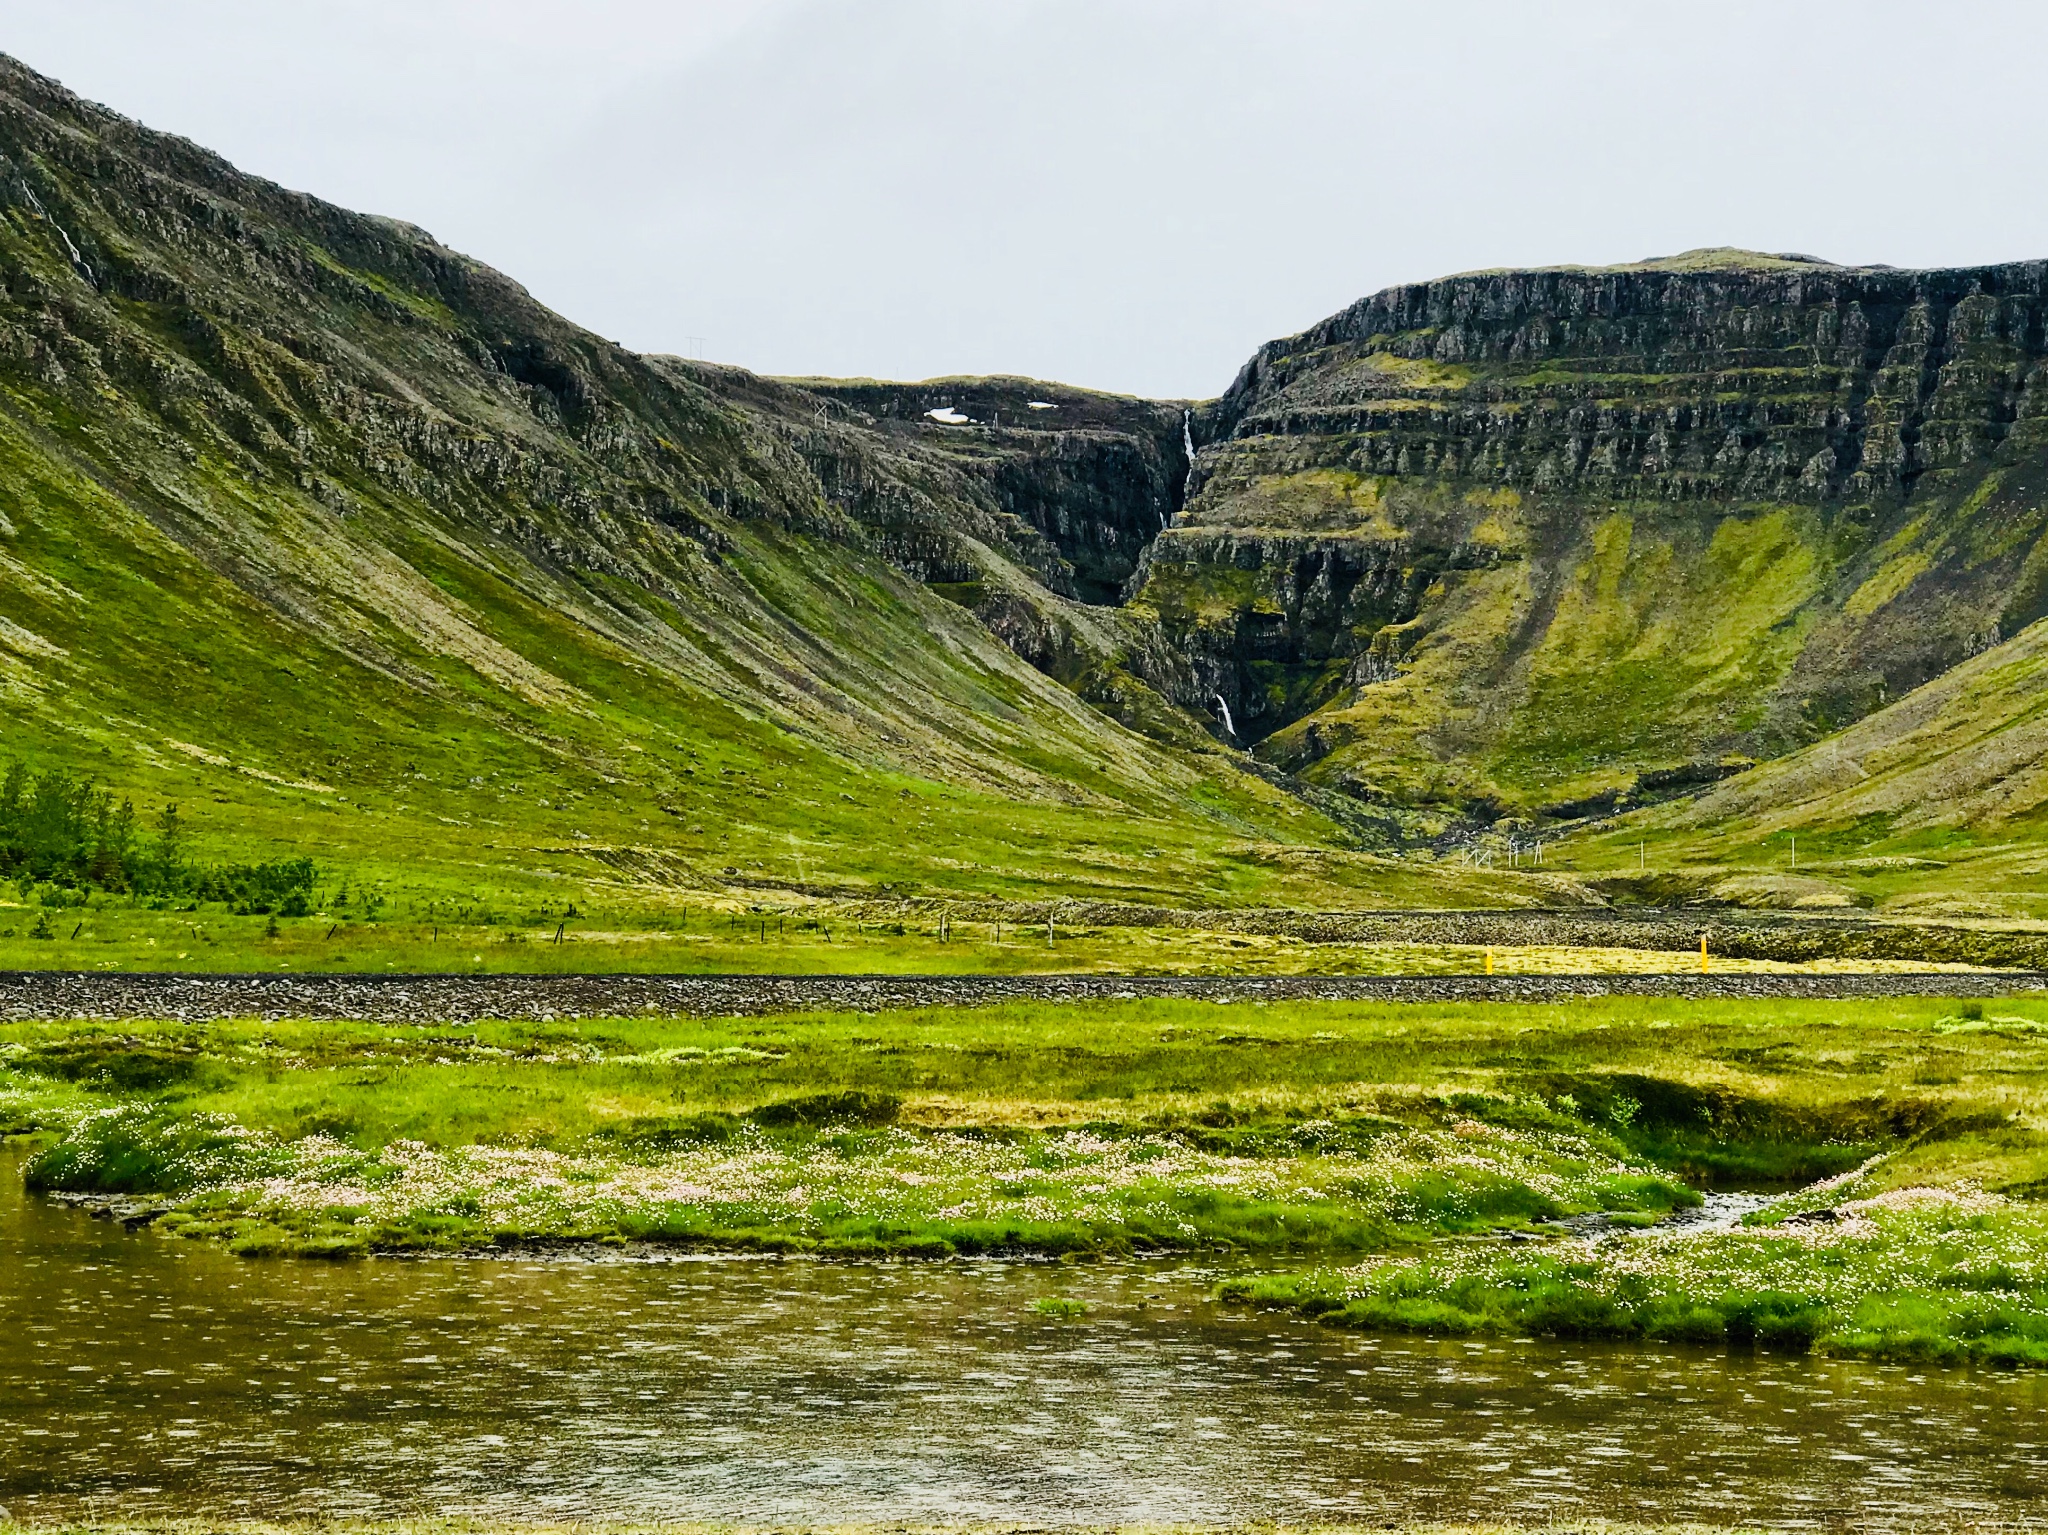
[112,864]
[167,858]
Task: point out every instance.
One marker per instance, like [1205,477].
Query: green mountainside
[342,540]
[1522,539]
[1936,803]
[337,538]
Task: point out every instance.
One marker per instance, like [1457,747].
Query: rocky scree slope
[1550,541]
[299,504]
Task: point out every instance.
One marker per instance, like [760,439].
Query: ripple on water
[166,1378]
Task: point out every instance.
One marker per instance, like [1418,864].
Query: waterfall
[79,261]
[1229,725]
[1187,442]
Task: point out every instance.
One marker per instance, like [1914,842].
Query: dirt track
[462,998]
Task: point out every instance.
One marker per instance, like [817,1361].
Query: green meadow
[1451,1167]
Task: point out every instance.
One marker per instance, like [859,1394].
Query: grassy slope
[1614,639]
[342,542]
[1640,642]
[149,668]
[1935,803]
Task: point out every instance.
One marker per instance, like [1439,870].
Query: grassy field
[764,937]
[1403,1140]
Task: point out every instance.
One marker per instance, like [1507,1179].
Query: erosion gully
[142,1376]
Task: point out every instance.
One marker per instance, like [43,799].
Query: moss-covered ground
[1925,1276]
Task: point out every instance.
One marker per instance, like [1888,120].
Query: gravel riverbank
[461,998]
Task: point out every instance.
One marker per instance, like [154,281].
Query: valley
[596,937]
[340,542]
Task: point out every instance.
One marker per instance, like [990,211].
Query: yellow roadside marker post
[1703,954]
[1489,962]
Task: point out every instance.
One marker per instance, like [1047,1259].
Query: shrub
[258,887]
[139,1150]
[68,833]
[850,1108]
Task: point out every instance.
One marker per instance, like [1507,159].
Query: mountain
[1535,540]
[339,538]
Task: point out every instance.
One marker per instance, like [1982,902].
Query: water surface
[147,1376]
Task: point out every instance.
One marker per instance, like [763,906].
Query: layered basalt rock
[1721,375]
[1512,540]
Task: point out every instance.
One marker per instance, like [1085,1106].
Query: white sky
[1118,193]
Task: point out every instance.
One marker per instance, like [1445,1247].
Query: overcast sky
[1118,193]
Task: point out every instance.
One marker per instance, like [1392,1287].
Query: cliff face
[1520,538]
[1721,375]
[1096,476]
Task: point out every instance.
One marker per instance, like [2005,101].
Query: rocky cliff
[1095,475]
[1523,540]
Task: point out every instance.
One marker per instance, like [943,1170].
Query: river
[143,1376]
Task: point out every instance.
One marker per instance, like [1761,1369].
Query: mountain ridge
[296,499]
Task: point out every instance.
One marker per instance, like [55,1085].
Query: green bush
[143,1150]
[819,1109]
[69,834]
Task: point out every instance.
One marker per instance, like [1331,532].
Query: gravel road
[464,998]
